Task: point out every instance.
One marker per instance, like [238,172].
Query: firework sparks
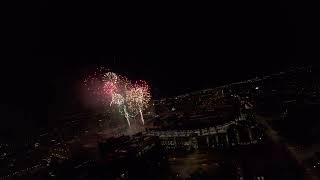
[109,88]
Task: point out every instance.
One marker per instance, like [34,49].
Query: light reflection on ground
[184,165]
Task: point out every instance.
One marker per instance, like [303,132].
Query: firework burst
[138,98]
[119,92]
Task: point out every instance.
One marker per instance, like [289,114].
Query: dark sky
[176,51]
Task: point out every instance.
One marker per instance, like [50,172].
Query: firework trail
[126,115]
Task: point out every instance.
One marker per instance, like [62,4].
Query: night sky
[178,52]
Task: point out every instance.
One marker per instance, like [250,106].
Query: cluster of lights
[114,90]
[19,173]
